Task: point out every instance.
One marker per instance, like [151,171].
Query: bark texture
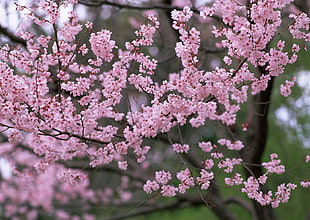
[255,142]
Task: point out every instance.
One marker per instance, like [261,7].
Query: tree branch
[302,5]
[168,7]
[242,203]
[12,37]
[108,168]
[127,6]
[150,209]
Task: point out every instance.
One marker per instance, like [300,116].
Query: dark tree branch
[256,135]
[106,168]
[167,7]
[128,6]
[151,209]
[218,203]
[12,37]
[302,5]
[70,135]
[243,203]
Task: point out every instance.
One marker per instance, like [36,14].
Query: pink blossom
[181,148]
[262,179]
[89,25]
[286,89]
[235,180]
[69,31]
[208,164]
[217,155]
[229,164]
[150,186]
[227,60]
[205,178]
[71,176]
[122,165]
[186,180]
[169,191]
[44,40]
[206,146]
[162,176]
[207,11]
[274,165]
[305,183]
[236,145]
[281,44]
[182,16]
[15,136]
[102,45]
[295,48]
[85,118]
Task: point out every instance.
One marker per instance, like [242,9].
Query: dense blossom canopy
[48,129]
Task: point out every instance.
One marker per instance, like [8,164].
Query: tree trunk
[255,142]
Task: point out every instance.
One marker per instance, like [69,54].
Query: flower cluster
[161,178]
[274,165]
[286,89]
[179,148]
[102,45]
[282,195]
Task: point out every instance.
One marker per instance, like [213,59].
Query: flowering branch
[86,125]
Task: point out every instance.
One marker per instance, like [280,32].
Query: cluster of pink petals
[274,165]
[180,148]
[102,45]
[282,195]
[286,89]
[162,179]
[229,164]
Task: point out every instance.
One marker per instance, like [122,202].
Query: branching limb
[108,168]
[12,37]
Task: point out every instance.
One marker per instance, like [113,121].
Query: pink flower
[71,176]
[205,178]
[286,89]
[102,45]
[227,60]
[281,44]
[207,11]
[179,148]
[206,146]
[236,145]
[15,136]
[274,166]
[150,186]
[69,31]
[162,176]
[122,165]
[208,164]
[229,164]
[305,183]
[236,180]
[169,191]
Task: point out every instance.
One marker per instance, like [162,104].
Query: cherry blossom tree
[89,121]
